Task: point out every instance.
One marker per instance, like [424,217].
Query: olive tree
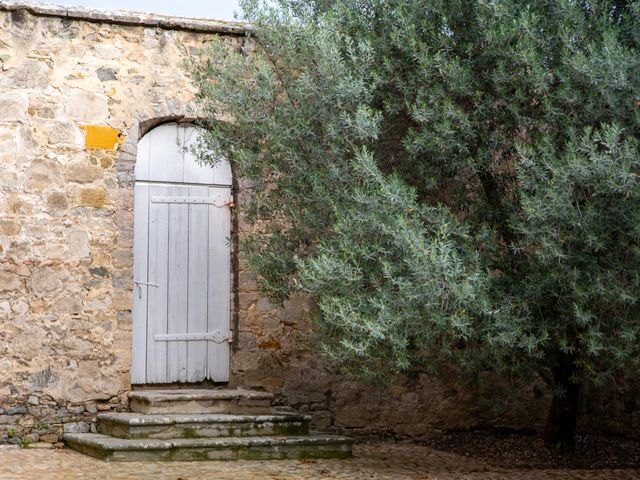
[453,181]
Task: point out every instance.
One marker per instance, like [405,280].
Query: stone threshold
[198,394]
[228,401]
[124,17]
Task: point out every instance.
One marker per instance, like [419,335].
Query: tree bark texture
[563,413]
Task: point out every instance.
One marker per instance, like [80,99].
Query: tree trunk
[563,414]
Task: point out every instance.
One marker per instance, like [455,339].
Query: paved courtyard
[371,461]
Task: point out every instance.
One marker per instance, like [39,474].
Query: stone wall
[77,91]
[75,96]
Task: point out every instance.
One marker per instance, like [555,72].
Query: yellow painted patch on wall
[103,137]
[93,197]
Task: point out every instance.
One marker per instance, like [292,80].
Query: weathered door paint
[181,271]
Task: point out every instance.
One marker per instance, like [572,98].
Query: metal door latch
[138,283]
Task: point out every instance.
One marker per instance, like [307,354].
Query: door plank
[140,260]
[197,314]
[166,162]
[177,304]
[194,171]
[219,281]
[143,160]
[222,173]
[158,296]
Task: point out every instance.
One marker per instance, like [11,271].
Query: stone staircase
[215,424]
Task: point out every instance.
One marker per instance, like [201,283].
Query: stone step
[200,401]
[223,448]
[200,425]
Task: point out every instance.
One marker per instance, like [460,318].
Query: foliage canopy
[452,180]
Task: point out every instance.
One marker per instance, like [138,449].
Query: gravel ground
[520,450]
[387,461]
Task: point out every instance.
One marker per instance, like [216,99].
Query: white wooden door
[181,292]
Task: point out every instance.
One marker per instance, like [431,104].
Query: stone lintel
[123,17]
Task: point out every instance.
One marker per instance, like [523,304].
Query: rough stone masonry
[78,88]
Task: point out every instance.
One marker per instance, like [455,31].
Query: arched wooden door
[181,270]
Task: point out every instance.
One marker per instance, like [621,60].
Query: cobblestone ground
[371,461]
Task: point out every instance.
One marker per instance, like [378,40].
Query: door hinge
[217,336]
[214,201]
